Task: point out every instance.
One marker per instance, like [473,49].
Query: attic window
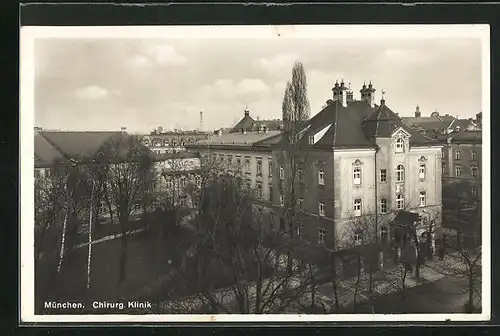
[311,139]
[400,145]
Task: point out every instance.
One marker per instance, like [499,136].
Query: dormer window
[400,145]
[311,140]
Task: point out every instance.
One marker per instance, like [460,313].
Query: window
[423,198]
[301,203]
[259,168]
[182,201]
[473,191]
[421,171]
[249,184]
[473,171]
[473,155]
[183,181]
[358,238]
[221,157]
[259,190]
[321,208]
[400,202]
[238,162]
[282,173]
[198,180]
[321,177]
[383,234]
[357,207]
[321,236]
[271,193]
[458,171]
[229,159]
[282,200]
[357,175]
[400,173]
[247,165]
[270,164]
[383,206]
[400,145]
[458,154]
[311,140]
[301,174]
[383,175]
[300,226]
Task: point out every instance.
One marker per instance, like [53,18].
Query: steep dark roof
[355,126]
[246,123]
[383,122]
[45,153]
[77,144]
[463,136]
[439,123]
[343,124]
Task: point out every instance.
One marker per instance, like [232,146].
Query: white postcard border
[30,33]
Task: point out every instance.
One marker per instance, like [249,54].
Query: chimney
[247,112]
[368,94]
[349,94]
[417,112]
[265,129]
[219,132]
[123,129]
[201,120]
[339,93]
[479,118]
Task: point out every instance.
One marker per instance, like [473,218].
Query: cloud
[229,89]
[278,62]
[162,55]
[139,61]
[394,56]
[92,92]
[166,55]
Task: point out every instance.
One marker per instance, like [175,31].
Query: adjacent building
[462,156]
[355,160]
[162,142]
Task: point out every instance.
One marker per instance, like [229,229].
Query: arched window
[400,173]
[400,202]
[165,143]
[400,145]
[356,172]
[421,171]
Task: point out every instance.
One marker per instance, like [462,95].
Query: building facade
[462,183]
[357,162]
[162,142]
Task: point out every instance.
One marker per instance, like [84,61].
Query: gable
[400,132]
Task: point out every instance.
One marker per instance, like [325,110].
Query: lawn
[146,263]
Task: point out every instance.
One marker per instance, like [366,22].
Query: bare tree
[126,166]
[463,260]
[236,262]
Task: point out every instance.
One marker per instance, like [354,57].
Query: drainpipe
[380,256]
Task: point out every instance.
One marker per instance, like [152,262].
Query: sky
[138,83]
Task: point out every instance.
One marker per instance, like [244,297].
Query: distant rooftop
[237,139]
